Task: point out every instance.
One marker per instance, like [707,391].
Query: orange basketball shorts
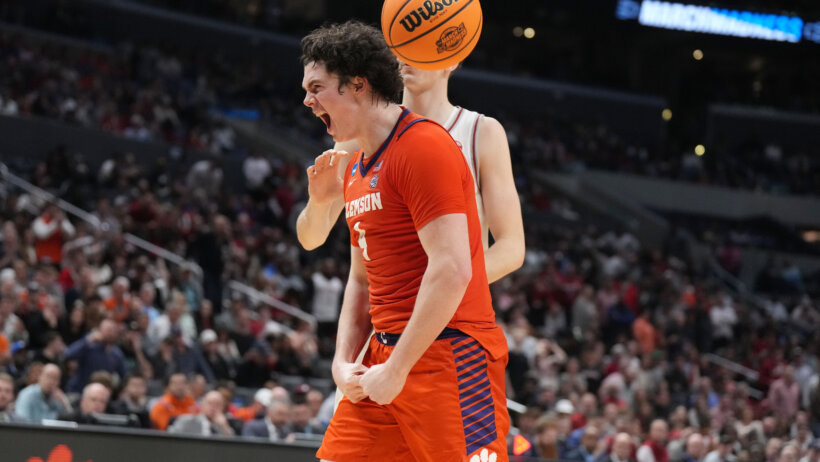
[453,408]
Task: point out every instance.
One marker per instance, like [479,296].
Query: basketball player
[482,141]
[431,386]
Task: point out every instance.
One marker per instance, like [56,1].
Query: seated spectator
[813,454]
[98,351]
[51,230]
[74,327]
[326,410]
[694,448]
[175,316]
[211,419]
[314,400]
[802,435]
[302,421]
[133,400]
[119,305]
[94,401]
[724,452]
[53,349]
[219,365]
[5,348]
[545,440]
[6,398]
[622,449]
[654,449]
[789,453]
[261,401]
[784,395]
[772,450]
[176,356]
[275,426]
[176,402]
[585,452]
[197,386]
[43,400]
[11,326]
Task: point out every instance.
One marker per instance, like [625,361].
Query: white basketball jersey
[463,127]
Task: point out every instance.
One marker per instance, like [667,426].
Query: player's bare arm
[354,330]
[448,273]
[502,209]
[325,195]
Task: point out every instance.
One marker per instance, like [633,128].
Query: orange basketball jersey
[417,175]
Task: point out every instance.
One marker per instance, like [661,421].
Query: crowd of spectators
[609,341]
[608,338]
[91,324]
[147,92]
[155,92]
[556,143]
[605,336]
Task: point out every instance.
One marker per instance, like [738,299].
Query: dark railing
[20,442]
[23,442]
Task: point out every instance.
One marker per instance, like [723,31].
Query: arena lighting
[529,32]
[666,114]
[700,150]
[697,54]
[720,21]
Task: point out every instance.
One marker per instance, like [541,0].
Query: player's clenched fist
[347,377]
[325,182]
[381,384]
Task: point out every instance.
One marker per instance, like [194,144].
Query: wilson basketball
[431,34]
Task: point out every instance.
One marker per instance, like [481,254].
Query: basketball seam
[390,29]
[480,23]
[431,30]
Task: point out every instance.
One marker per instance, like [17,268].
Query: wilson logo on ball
[424,12]
[431,34]
[451,38]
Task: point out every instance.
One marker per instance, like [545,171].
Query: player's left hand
[382,384]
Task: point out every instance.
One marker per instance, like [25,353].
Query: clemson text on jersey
[364,204]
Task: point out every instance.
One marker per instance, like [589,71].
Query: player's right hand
[325,182]
[347,376]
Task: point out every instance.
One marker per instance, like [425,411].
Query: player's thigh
[453,405]
[359,432]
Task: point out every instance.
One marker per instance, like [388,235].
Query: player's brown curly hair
[354,49]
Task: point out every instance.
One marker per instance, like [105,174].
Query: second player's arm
[326,201]
[316,220]
[502,209]
[448,273]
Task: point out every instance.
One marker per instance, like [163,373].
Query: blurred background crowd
[619,350]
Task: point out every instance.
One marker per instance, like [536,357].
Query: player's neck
[431,103]
[376,127]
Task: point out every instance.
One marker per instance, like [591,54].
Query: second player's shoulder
[490,127]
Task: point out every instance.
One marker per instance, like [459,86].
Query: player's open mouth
[326,119]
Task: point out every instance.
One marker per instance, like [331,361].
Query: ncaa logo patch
[355,167]
[374,181]
[378,166]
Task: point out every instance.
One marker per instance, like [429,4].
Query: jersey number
[362,241]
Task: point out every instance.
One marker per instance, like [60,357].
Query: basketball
[431,34]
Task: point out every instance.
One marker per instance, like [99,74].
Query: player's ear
[452,69]
[359,85]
